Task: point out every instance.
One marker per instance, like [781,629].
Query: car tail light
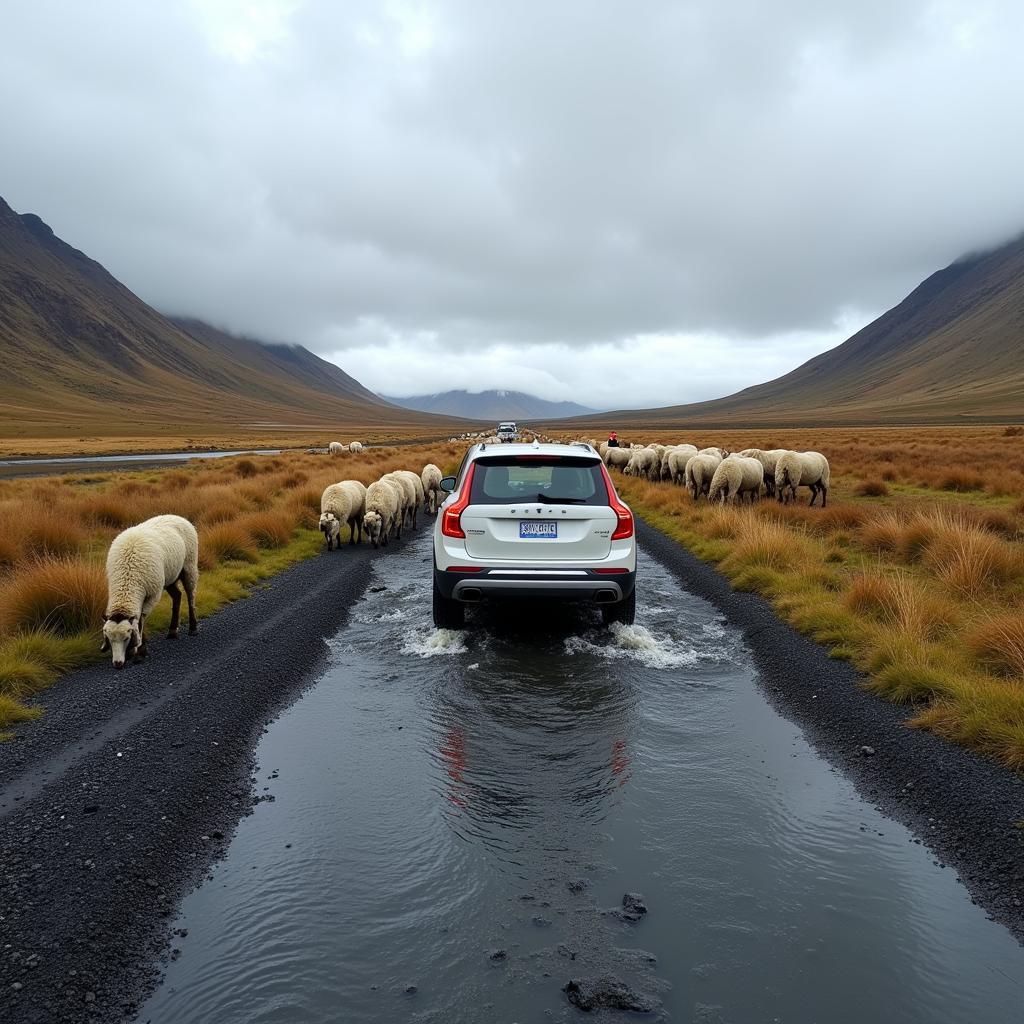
[622,512]
[465,568]
[610,572]
[451,525]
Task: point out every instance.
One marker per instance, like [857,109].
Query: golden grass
[255,515]
[920,585]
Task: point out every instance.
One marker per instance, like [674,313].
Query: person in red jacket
[613,440]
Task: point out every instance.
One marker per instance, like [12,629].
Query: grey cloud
[391,182]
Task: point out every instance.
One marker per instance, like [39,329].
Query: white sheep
[719,452]
[407,490]
[342,504]
[430,477]
[643,462]
[673,462]
[617,458]
[602,449]
[143,562]
[699,472]
[735,477]
[355,447]
[768,460]
[336,448]
[383,511]
[419,495]
[802,469]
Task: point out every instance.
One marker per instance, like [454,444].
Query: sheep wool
[355,447]
[676,460]
[700,469]
[430,478]
[802,469]
[335,448]
[735,478]
[143,562]
[383,511]
[342,504]
[618,457]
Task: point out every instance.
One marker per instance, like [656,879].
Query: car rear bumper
[556,584]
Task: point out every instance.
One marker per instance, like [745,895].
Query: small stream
[455,816]
[96,463]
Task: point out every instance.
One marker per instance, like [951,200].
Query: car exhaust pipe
[606,597]
[470,594]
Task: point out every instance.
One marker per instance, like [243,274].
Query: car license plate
[535,529]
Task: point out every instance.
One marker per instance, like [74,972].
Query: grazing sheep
[736,477]
[802,469]
[643,462]
[342,504]
[355,447]
[430,477]
[617,458]
[673,462]
[768,460]
[700,470]
[602,449]
[418,492]
[142,563]
[336,448]
[407,491]
[720,452]
[383,511]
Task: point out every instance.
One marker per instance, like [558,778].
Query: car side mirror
[448,483]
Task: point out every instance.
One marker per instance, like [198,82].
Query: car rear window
[554,479]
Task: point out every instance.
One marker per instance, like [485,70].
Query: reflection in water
[458,814]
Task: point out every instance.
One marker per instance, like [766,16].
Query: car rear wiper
[547,500]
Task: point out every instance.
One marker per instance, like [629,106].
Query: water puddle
[458,816]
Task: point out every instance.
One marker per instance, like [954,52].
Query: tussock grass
[920,585]
[255,516]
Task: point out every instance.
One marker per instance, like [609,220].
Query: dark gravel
[968,810]
[115,805]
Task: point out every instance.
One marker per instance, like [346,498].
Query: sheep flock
[723,476]
[157,555]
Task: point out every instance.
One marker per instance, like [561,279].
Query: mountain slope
[951,351]
[492,405]
[82,352]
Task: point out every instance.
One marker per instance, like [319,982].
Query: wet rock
[90,997]
[90,808]
[633,908]
[607,992]
[541,922]
[498,955]
[867,751]
[576,886]
[411,990]
[565,951]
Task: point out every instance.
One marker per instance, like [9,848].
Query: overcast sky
[618,203]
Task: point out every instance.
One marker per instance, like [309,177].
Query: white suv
[539,521]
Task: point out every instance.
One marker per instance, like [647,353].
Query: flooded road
[456,817]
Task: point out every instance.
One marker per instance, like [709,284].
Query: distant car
[533,521]
[507,433]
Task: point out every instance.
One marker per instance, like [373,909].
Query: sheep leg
[190,595]
[814,492]
[175,591]
[142,650]
[824,495]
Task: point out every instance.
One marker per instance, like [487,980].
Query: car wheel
[623,611]
[448,613]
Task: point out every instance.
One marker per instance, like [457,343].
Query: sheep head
[330,525]
[122,637]
[372,526]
